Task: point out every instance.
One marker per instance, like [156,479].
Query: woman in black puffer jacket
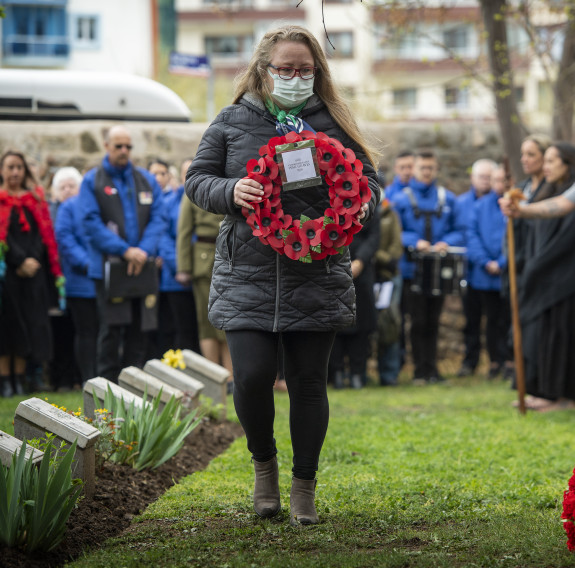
[263,299]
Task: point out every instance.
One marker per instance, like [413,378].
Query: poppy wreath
[306,239]
[568,514]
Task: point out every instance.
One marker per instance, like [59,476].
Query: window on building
[456,97]
[343,43]
[228,46]
[35,30]
[404,98]
[86,31]
[456,39]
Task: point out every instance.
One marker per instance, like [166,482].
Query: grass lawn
[70,400]
[444,475]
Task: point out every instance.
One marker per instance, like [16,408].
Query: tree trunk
[512,129]
[562,128]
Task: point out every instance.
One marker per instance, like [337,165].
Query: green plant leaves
[35,504]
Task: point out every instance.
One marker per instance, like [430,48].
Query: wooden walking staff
[515,195]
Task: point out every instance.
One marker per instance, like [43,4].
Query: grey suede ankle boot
[302,502]
[267,490]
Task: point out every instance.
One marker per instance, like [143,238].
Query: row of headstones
[35,417]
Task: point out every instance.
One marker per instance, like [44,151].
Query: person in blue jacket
[80,291]
[429,220]
[481,171]
[485,234]
[177,299]
[122,209]
[403,170]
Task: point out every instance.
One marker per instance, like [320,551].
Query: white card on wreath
[299,165]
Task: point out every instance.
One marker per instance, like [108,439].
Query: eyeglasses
[120,146]
[287,73]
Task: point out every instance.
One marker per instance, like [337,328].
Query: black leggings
[305,360]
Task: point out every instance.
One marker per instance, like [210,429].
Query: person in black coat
[353,341]
[261,298]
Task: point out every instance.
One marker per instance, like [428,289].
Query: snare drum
[440,273]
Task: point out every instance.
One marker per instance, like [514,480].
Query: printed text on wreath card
[299,165]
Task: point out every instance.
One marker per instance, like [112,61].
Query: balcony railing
[36,46]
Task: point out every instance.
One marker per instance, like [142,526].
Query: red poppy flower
[110,190]
[364,191]
[327,157]
[357,167]
[265,181]
[266,219]
[349,155]
[319,255]
[270,148]
[275,237]
[333,236]
[311,230]
[355,226]
[286,220]
[332,214]
[337,170]
[347,205]
[346,185]
[295,247]
[247,212]
[292,137]
[345,221]
[272,169]
[275,200]
[307,135]
[253,221]
[336,144]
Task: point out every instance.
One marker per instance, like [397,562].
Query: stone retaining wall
[79,143]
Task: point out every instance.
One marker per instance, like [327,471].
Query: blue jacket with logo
[167,251]
[73,248]
[445,227]
[485,235]
[104,240]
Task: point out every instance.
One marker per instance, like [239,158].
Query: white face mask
[292,93]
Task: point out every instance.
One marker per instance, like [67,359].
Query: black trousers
[424,312]
[305,360]
[84,312]
[473,310]
[120,346]
[498,315]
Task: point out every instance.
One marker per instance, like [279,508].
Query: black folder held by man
[121,286]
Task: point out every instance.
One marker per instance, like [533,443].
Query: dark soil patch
[122,493]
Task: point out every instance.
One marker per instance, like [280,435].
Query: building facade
[79,35]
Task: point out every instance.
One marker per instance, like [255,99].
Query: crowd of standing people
[124,263]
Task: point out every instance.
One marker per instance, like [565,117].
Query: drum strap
[417,212]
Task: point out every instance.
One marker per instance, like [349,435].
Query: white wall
[125,37]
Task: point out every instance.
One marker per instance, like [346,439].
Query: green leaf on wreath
[306,258]
[340,250]
[304,219]
[316,248]
[286,233]
[327,220]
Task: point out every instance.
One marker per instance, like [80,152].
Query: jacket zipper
[277,305]
[231,253]
[327,267]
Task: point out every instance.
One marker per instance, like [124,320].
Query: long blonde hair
[253,80]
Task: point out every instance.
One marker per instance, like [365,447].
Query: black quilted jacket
[253,287]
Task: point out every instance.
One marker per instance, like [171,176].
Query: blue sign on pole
[183,64]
